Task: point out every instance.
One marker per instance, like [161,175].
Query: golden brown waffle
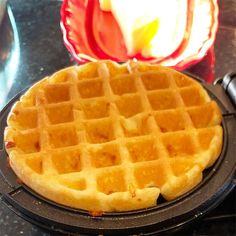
[110,137]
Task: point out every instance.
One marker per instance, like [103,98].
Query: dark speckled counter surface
[34,49]
[41,49]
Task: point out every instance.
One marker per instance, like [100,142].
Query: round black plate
[218,181]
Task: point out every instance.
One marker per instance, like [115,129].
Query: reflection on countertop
[9,52]
[40,45]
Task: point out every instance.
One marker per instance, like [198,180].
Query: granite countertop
[39,51]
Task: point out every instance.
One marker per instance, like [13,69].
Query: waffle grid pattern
[117,130]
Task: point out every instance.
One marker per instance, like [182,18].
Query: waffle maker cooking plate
[217,183]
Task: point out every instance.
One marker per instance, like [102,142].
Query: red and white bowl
[91,34]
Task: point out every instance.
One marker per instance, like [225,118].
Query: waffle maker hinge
[228,83]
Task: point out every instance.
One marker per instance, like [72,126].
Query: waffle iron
[217,183]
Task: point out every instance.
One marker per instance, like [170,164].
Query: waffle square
[113,137]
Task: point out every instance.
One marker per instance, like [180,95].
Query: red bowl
[91,34]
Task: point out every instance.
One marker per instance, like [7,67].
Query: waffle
[107,137]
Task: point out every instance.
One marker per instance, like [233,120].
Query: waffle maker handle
[228,82]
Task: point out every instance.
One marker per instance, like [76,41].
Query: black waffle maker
[217,183]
